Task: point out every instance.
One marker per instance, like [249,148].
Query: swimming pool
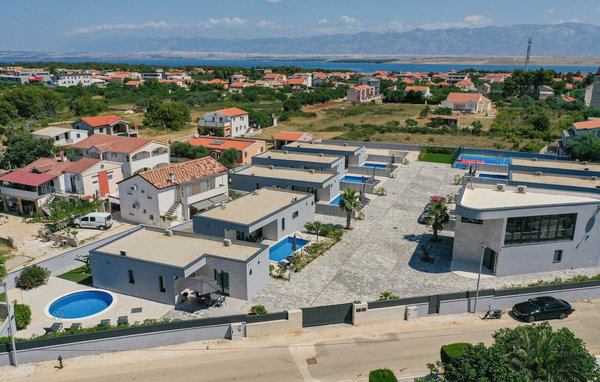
[336,201]
[376,165]
[283,249]
[355,179]
[80,304]
[493,176]
[464,160]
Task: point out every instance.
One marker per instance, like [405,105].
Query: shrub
[32,277]
[257,309]
[387,296]
[22,316]
[382,375]
[448,353]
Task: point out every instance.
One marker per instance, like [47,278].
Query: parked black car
[542,308]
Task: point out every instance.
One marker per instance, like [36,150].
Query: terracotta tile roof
[232,111]
[464,97]
[37,172]
[49,166]
[289,136]
[133,83]
[220,143]
[217,81]
[273,76]
[569,99]
[82,165]
[112,143]
[416,88]
[239,84]
[296,81]
[408,81]
[359,87]
[102,120]
[183,172]
[592,124]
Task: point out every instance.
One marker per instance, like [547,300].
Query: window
[161,283]
[101,130]
[144,210]
[92,219]
[110,175]
[535,229]
[152,217]
[131,279]
[95,179]
[557,256]
[113,154]
[283,224]
[295,215]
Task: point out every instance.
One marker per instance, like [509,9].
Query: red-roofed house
[170,195]
[232,121]
[239,78]
[90,177]
[424,90]
[275,77]
[216,145]
[297,82]
[218,81]
[591,126]
[106,124]
[467,102]
[237,87]
[360,93]
[135,154]
[286,137]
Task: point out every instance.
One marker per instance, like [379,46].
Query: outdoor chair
[104,322]
[75,326]
[54,328]
[122,320]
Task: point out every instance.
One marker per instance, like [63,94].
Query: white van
[100,220]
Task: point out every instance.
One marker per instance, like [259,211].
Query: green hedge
[449,353]
[22,316]
[382,375]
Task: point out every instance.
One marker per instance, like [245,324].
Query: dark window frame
[539,229]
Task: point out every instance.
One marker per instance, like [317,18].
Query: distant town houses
[24,75]
[237,87]
[72,78]
[467,102]
[360,93]
[424,90]
[545,91]
[248,148]
[233,122]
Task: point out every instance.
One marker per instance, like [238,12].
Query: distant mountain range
[566,39]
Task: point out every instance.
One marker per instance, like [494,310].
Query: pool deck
[38,298]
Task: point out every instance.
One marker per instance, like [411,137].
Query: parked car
[542,308]
[425,217]
[100,220]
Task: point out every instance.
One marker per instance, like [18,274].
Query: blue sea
[363,67]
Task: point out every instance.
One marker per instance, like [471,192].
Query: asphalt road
[337,353]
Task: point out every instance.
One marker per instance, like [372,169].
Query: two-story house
[90,177]
[167,195]
[135,154]
[467,102]
[233,121]
[106,124]
[360,93]
[68,79]
[61,136]
[424,90]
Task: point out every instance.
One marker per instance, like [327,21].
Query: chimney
[172,177]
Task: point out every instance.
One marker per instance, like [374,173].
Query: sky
[44,25]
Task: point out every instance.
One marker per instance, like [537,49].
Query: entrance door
[222,281]
[103,183]
[489,259]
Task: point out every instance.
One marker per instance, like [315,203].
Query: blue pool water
[376,165]
[493,176]
[355,179]
[80,304]
[283,249]
[336,201]
[483,158]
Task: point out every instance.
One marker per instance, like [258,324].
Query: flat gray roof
[301,157]
[568,165]
[286,173]
[556,179]
[253,207]
[487,198]
[178,250]
[324,147]
[53,131]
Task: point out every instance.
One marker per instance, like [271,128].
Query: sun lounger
[104,322]
[55,327]
[75,326]
[122,320]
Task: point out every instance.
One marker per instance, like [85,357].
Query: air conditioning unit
[312,170]
[584,162]
[169,232]
[594,178]
[227,242]
[538,173]
[521,189]
[501,187]
[255,192]
[133,187]
[285,152]
[321,154]
[271,167]
[534,159]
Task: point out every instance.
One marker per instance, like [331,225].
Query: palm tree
[349,202]
[438,213]
[535,355]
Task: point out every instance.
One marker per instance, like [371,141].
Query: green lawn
[78,275]
[2,297]
[437,158]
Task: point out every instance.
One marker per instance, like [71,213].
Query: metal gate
[434,304]
[326,315]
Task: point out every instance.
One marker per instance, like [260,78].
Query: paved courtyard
[382,252]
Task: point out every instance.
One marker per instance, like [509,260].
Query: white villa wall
[146,196]
[239,125]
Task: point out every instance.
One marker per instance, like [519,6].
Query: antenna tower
[529,42]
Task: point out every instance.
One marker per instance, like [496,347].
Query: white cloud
[347,21]
[268,24]
[233,22]
[274,1]
[226,22]
[322,21]
[473,21]
[397,26]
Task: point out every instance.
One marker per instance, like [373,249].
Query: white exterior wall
[74,80]
[146,196]
[239,125]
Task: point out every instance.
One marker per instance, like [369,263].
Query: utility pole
[11,328]
[529,42]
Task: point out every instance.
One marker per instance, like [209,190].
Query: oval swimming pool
[80,304]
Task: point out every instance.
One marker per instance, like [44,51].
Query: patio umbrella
[202,285]
[294,243]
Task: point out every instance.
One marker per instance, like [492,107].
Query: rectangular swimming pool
[493,176]
[283,249]
[336,201]
[464,160]
[355,179]
[376,165]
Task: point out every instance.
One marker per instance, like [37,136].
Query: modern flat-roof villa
[60,135]
[354,155]
[324,185]
[291,159]
[267,213]
[154,264]
[525,230]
